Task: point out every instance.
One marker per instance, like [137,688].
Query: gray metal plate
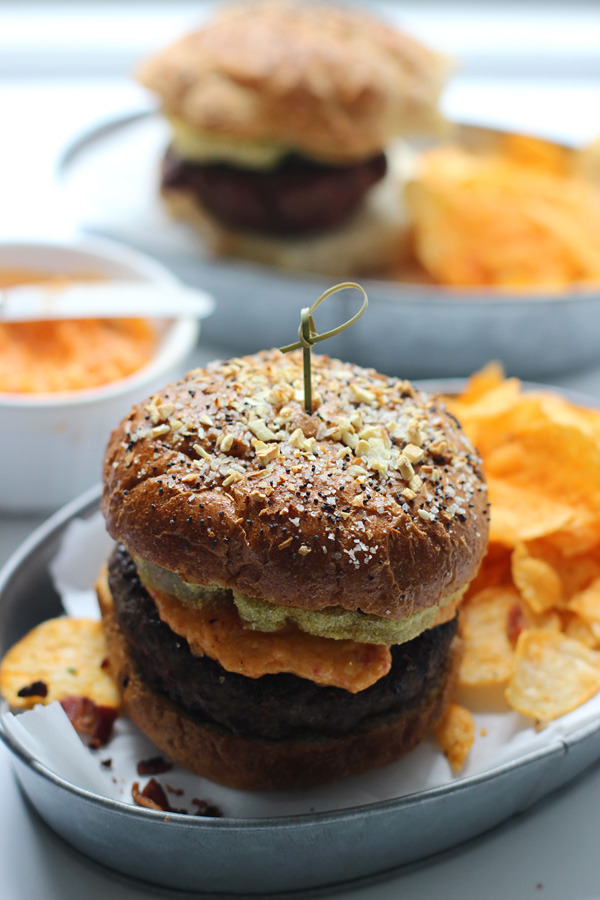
[261,856]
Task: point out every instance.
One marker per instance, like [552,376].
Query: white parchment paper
[502,735]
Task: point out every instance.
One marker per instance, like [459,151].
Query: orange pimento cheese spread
[218,632]
[68,355]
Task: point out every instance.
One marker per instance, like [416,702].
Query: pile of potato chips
[524,216]
[530,622]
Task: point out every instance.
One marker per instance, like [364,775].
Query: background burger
[283,115]
[280,606]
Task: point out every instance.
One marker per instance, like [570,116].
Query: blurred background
[67,86]
[531,65]
[515,38]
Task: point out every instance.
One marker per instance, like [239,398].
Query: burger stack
[280,606]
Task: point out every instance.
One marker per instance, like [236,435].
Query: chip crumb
[156,765]
[204,808]
[455,735]
[152,796]
[93,722]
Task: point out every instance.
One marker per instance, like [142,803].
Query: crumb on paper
[455,735]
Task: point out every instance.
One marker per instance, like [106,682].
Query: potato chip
[575,570]
[481,383]
[553,675]
[586,604]
[501,411]
[543,479]
[59,658]
[520,217]
[550,620]
[582,630]
[562,412]
[538,582]
[455,734]
[580,536]
[484,627]
[518,514]
[551,460]
[536,152]
[522,616]
[586,162]
[532,614]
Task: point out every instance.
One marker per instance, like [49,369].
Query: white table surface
[550,852]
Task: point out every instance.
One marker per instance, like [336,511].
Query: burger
[280,606]
[284,119]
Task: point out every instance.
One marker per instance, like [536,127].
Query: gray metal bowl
[260,856]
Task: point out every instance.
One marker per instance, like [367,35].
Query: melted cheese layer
[200,146]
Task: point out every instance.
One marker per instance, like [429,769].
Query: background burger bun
[328,82]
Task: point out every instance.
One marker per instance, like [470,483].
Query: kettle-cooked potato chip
[59,658]
[553,675]
[582,630]
[586,605]
[541,456]
[542,462]
[524,216]
[455,734]
[488,653]
[538,582]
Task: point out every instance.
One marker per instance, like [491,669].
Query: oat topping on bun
[281,605]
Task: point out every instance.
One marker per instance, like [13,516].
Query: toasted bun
[328,82]
[375,502]
[257,764]
[374,240]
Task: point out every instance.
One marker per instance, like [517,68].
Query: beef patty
[273,707]
[299,196]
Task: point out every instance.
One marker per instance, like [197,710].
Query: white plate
[110,177]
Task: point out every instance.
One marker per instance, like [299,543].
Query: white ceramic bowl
[51,447]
